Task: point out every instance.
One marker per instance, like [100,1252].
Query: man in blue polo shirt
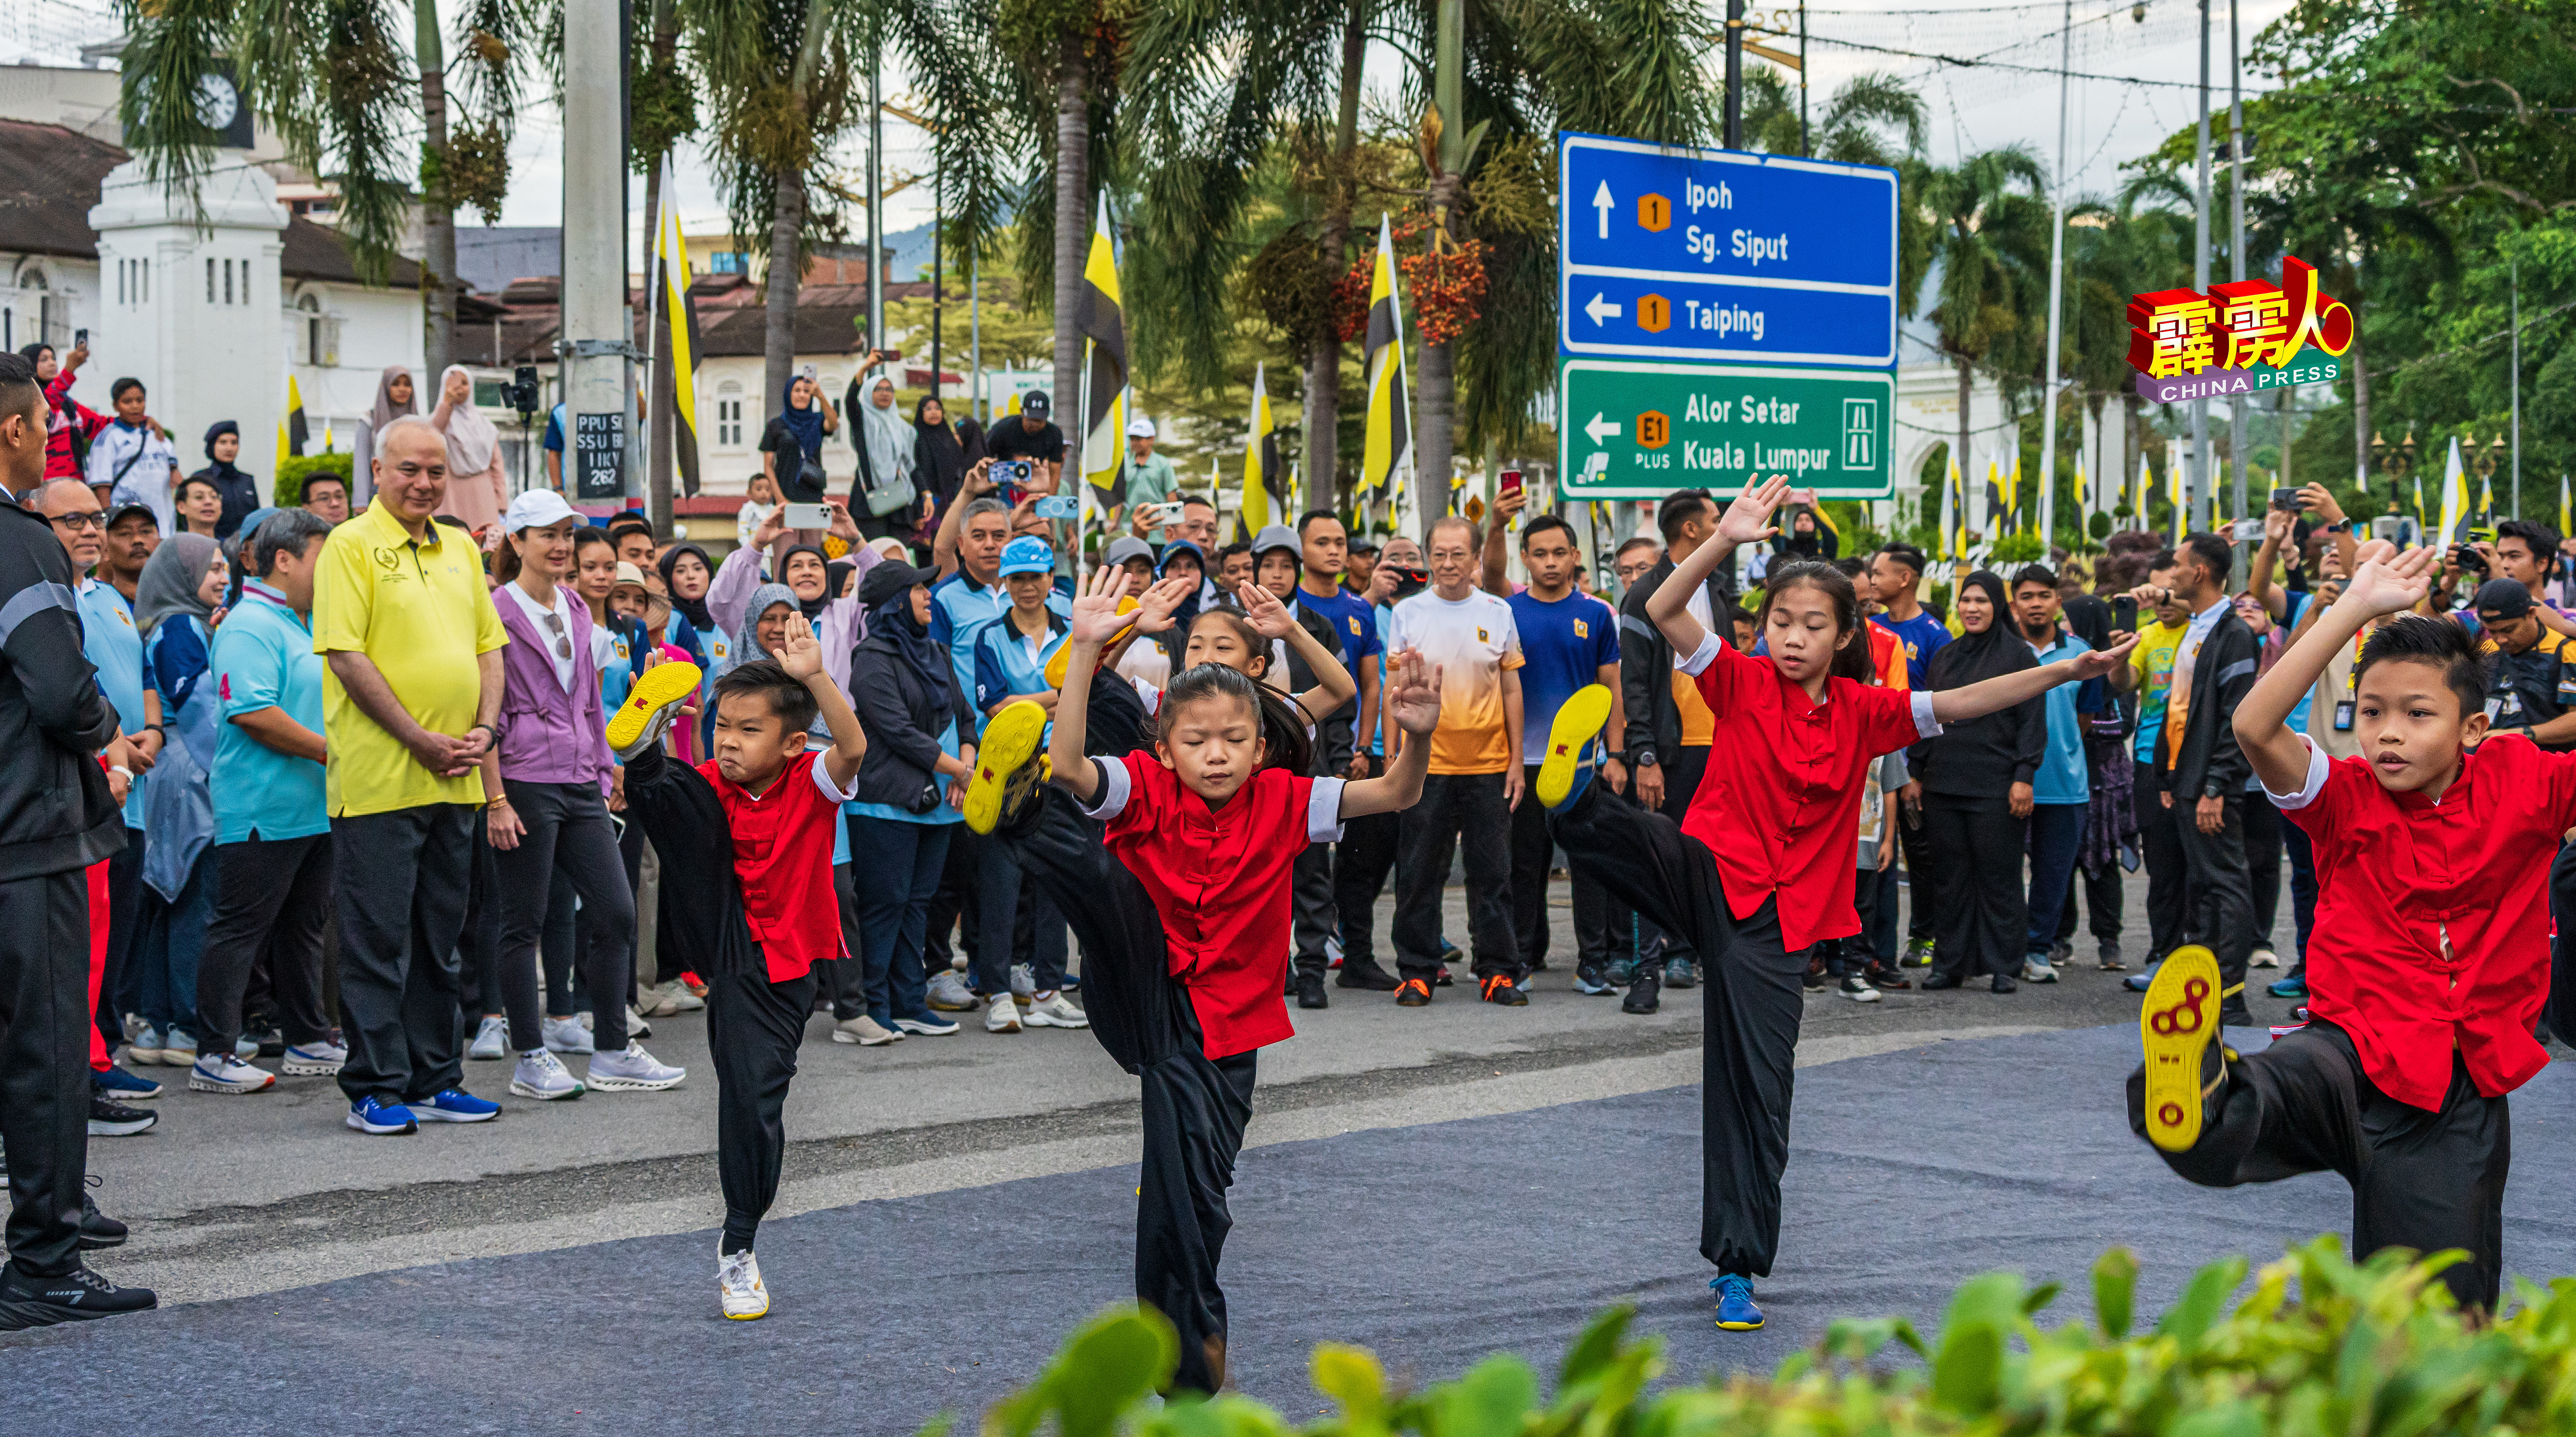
[1568,640]
[114,647]
[2060,791]
[272,822]
[1011,655]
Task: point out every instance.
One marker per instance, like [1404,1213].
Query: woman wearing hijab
[939,464]
[794,439]
[174,607]
[920,753]
[1976,777]
[394,399]
[887,490]
[476,492]
[805,573]
[240,493]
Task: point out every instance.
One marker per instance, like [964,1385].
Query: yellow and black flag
[681,312]
[1389,440]
[292,435]
[1101,320]
[1265,483]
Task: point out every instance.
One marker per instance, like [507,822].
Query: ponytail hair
[1851,649]
[1283,728]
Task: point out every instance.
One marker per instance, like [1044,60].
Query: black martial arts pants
[2160,851]
[2262,866]
[569,836]
[44,1066]
[2427,1181]
[1981,921]
[1461,813]
[1361,863]
[1313,915]
[2221,906]
[399,881]
[1751,995]
[1533,854]
[272,898]
[1194,1107]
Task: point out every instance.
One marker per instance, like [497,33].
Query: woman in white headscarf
[884,500]
[476,493]
[395,397]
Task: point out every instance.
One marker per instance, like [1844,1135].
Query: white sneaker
[542,1076]
[321,1059]
[492,1040]
[1858,989]
[144,1048]
[2263,958]
[738,1284]
[179,1049]
[1001,1015]
[633,1071]
[1024,983]
[636,1027]
[949,993]
[865,1031]
[224,1073]
[2037,970]
[661,1000]
[933,1026]
[1054,1011]
[567,1035]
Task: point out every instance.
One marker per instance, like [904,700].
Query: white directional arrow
[1602,429]
[1601,309]
[1602,202]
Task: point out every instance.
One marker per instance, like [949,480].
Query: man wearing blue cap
[1011,655]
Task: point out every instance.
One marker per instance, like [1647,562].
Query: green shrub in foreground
[2318,1347]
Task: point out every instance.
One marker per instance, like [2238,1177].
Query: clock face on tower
[217,101]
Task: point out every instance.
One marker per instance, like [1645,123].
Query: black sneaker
[76,1296]
[1680,973]
[1881,976]
[1499,988]
[1364,973]
[116,1120]
[97,1229]
[1310,990]
[1642,989]
[1935,982]
[1815,977]
[1589,979]
[2004,983]
[1412,993]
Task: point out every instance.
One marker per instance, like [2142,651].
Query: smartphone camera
[2286,500]
[1059,506]
[80,339]
[1010,471]
[1409,582]
[2468,558]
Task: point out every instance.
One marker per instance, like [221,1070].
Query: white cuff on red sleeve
[823,781]
[1701,657]
[2309,788]
[1111,801]
[1324,811]
[1924,723]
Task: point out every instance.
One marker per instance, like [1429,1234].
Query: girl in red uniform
[1211,834]
[1761,867]
[2429,959]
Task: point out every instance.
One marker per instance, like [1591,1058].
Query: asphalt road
[231,1196]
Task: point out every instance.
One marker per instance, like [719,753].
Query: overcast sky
[2108,121]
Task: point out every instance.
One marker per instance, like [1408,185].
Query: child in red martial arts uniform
[2429,960]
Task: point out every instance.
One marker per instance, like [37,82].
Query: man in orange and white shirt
[1475,777]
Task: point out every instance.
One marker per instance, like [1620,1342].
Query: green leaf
[1351,1376]
[1494,1399]
[1968,1371]
[2115,1289]
[1597,1346]
[2197,1310]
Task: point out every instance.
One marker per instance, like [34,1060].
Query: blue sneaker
[376,1117]
[1735,1309]
[2139,982]
[454,1105]
[2294,986]
[125,1087]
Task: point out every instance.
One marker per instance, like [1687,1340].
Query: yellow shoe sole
[1578,719]
[1057,667]
[660,687]
[2176,1025]
[1010,741]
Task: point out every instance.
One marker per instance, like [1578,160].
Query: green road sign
[1627,430]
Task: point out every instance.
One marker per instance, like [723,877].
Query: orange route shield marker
[1654,313]
[1654,429]
[1654,213]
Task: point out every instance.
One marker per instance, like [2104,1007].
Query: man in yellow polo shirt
[406,625]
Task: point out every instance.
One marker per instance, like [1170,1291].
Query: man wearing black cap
[2532,687]
[1028,435]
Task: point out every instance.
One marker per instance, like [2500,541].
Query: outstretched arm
[2004,690]
[1747,521]
[1413,702]
[801,654]
[1095,619]
[2386,583]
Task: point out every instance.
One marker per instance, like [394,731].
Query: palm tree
[1990,223]
[334,80]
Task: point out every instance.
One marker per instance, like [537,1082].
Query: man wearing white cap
[1149,476]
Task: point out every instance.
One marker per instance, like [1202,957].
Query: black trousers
[1459,813]
[1533,854]
[2427,1181]
[44,1066]
[2221,905]
[399,882]
[272,898]
[119,991]
[2160,851]
[1920,879]
[1361,863]
[2263,827]
[1313,916]
[568,835]
[2103,902]
[1752,998]
[1981,914]
[1683,768]
[1194,1108]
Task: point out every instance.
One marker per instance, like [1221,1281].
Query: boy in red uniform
[1761,867]
[2428,962]
[1212,834]
[763,810]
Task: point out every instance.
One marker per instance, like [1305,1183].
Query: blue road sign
[1718,255]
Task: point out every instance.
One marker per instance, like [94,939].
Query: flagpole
[1081,457]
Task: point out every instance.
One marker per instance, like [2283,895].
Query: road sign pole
[1735,74]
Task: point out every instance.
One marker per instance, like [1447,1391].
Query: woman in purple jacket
[550,763]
